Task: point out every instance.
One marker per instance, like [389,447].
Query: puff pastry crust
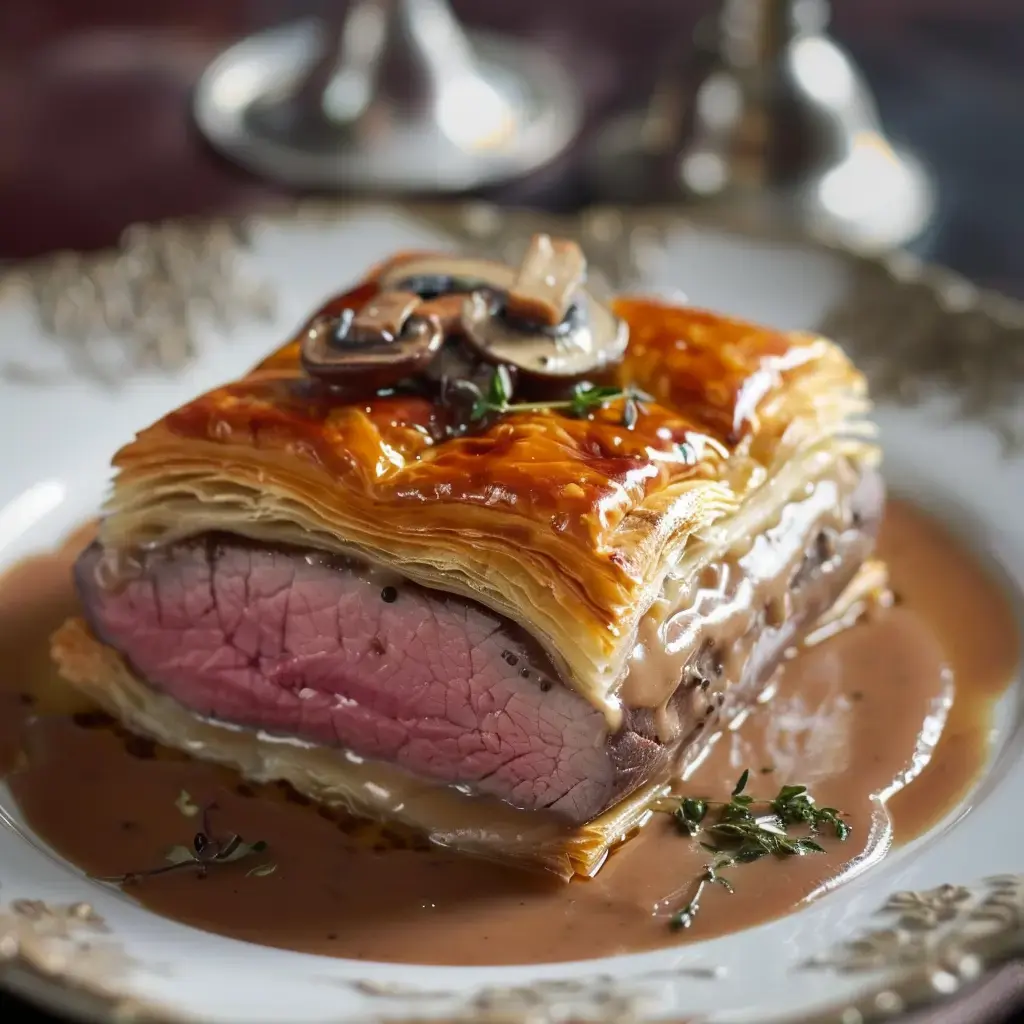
[565,525]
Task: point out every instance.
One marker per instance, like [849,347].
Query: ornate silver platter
[92,347]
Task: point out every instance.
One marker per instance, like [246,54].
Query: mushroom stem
[383,318]
[550,276]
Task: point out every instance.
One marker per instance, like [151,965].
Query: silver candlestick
[769,121]
[392,95]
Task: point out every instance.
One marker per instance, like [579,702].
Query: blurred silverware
[771,121]
[393,95]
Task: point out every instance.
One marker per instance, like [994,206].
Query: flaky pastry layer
[565,525]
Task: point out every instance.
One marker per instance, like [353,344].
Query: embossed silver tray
[107,343]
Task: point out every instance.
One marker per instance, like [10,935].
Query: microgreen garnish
[736,834]
[585,399]
[204,851]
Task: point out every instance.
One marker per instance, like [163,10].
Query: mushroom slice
[431,276]
[377,346]
[550,276]
[446,310]
[382,318]
[537,318]
[588,339]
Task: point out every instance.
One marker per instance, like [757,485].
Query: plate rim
[983,374]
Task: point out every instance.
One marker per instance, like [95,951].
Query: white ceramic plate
[59,425]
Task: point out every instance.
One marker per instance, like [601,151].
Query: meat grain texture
[327,651]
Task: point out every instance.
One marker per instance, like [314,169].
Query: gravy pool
[853,718]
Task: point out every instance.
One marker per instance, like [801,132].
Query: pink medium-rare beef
[305,645]
[330,651]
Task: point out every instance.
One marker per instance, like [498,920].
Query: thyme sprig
[585,399]
[737,834]
[205,850]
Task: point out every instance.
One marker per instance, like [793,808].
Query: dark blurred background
[95,129]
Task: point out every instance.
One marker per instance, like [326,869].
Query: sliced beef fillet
[331,652]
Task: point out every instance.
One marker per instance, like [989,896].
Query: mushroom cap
[586,341]
[538,319]
[338,353]
[429,276]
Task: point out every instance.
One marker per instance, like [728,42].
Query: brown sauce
[846,720]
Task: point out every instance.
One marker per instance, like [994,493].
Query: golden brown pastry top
[566,524]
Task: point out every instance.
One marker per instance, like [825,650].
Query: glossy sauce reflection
[847,720]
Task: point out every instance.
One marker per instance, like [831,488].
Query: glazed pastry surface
[565,524]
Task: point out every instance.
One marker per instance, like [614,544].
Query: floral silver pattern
[140,306]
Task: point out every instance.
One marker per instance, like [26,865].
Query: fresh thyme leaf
[238,849]
[500,392]
[685,824]
[261,871]
[789,792]
[205,850]
[695,810]
[225,850]
[741,836]
[479,410]
[689,814]
[748,854]
[683,918]
[714,877]
[795,805]
[586,398]
[185,804]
